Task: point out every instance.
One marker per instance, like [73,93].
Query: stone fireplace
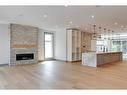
[24,44]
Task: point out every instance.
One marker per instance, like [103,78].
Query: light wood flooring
[62,75]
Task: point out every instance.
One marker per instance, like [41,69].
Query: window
[49,45]
[120,45]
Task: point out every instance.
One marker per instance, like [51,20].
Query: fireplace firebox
[29,56]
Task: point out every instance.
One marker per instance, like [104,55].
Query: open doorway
[48,46]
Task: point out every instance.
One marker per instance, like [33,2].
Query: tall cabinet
[73,45]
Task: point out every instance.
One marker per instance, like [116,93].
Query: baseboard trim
[74,61]
[4,64]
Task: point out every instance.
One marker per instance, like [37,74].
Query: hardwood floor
[61,75]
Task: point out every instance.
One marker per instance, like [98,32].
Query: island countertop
[107,52]
[98,58]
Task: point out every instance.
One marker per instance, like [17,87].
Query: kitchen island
[94,59]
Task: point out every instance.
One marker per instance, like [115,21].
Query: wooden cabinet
[86,41]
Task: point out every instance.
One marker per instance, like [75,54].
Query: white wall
[60,45]
[4,44]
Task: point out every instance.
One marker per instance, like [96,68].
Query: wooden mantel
[24,46]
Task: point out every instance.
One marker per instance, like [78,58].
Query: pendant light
[99,36]
[104,33]
[94,37]
[109,34]
[112,34]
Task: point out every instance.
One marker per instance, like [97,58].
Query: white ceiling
[58,18]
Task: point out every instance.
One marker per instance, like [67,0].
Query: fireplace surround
[24,44]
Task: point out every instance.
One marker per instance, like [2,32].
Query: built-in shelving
[77,43]
[73,45]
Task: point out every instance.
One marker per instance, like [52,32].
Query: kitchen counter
[94,59]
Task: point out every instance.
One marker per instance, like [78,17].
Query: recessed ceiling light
[121,26]
[45,16]
[70,22]
[92,16]
[116,23]
[85,28]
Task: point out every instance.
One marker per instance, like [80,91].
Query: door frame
[52,45]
